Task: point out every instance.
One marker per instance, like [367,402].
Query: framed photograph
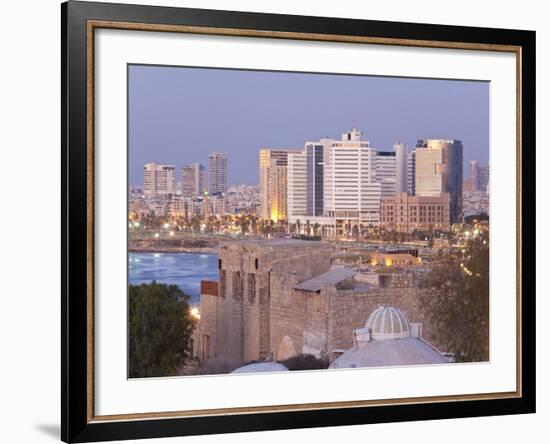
[275,221]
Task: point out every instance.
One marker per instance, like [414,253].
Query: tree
[244,224]
[160,329]
[316,227]
[196,224]
[306,362]
[253,224]
[292,228]
[458,306]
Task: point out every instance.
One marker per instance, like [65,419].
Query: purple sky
[179,115]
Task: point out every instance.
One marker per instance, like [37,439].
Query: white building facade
[297,184]
[158,180]
[352,193]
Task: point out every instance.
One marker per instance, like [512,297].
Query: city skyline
[171,110]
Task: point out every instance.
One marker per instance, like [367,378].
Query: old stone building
[278,298]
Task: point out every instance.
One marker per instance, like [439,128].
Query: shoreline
[198,250]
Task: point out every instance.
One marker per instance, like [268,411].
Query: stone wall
[348,310]
[259,315]
[249,308]
[206,335]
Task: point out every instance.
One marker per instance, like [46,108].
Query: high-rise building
[306,179]
[483,178]
[297,186]
[439,170]
[192,180]
[386,172]
[479,178]
[474,168]
[217,173]
[469,185]
[401,179]
[273,183]
[278,190]
[158,180]
[411,173]
[352,194]
[316,153]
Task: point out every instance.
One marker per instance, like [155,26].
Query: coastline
[164,249]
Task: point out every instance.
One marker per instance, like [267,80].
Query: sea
[186,270]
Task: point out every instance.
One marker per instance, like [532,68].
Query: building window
[251,287]
[237,286]
[205,347]
[223,280]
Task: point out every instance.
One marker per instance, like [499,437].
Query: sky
[178,115]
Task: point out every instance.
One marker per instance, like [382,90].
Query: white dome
[388,323]
[259,367]
[405,351]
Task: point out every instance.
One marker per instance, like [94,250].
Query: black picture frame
[76,424]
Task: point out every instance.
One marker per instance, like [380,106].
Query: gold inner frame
[92,25]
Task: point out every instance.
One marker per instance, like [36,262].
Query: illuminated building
[439,170]
[273,183]
[395,257]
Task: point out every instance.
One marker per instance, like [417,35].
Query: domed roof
[388,323]
[401,352]
[259,367]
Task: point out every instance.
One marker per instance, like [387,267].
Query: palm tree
[315,228]
[253,224]
[291,228]
[245,223]
[196,224]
